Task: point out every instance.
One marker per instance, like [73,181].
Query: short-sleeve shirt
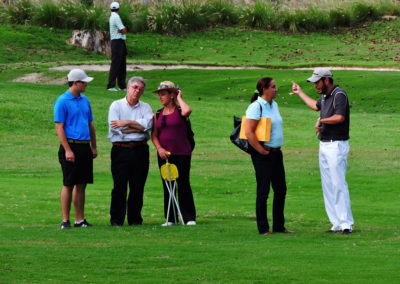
[115,25]
[271,111]
[75,113]
[336,102]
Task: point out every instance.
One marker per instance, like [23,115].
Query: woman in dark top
[169,136]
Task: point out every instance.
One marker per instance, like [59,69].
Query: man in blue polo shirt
[75,130]
[333,128]
[118,50]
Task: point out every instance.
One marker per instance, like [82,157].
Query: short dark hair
[330,79]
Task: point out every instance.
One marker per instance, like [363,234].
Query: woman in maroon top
[169,136]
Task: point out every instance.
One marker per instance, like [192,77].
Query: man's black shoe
[65,225]
[347,232]
[115,224]
[84,223]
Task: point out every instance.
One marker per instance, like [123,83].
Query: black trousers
[128,165]
[118,64]
[269,170]
[185,195]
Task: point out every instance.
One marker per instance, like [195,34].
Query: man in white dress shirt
[130,121]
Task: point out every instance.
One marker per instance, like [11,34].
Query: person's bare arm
[133,126]
[69,155]
[185,108]
[311,103]
[250,132]
[163,153]
[93,139]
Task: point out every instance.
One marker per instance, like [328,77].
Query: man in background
[118,50]
[75,130]
[333,128]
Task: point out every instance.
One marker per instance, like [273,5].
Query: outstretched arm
[306,99]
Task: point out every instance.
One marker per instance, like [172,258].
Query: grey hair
[137,79]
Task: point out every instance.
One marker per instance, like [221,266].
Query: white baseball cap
[78,75]
[318,74]
[114,6]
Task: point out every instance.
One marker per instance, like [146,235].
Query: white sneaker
[191,223]
[112,90]
[168,224]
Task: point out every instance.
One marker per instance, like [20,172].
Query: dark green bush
[364,12]
[261,15]
[289,21]
[73,14]
[87,3]
[178,16]
[312,20]
[388,8]
[191,16]
[70,14]
[3,15]
[95,19]
[163,18]
[138,17]
[339,18]
[49,14]
[125,12]
[220,12]
[20,12]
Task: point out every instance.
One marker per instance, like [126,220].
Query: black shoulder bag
[243,144]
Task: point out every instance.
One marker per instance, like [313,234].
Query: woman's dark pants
[269,170]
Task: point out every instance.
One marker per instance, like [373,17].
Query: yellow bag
[263,130]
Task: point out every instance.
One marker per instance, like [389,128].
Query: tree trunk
[95,41]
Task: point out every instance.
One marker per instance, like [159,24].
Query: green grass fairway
[225,246]
[373,45]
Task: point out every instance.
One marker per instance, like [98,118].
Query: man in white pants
[333,129]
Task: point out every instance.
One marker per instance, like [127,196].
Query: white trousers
[333,166]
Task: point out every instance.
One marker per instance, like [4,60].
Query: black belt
[331,140]
[130,144]
[73,141]
[270,149]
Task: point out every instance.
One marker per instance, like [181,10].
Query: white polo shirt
[115,25]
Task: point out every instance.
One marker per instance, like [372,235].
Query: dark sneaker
[347,232]
[84,223]
[65,225]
